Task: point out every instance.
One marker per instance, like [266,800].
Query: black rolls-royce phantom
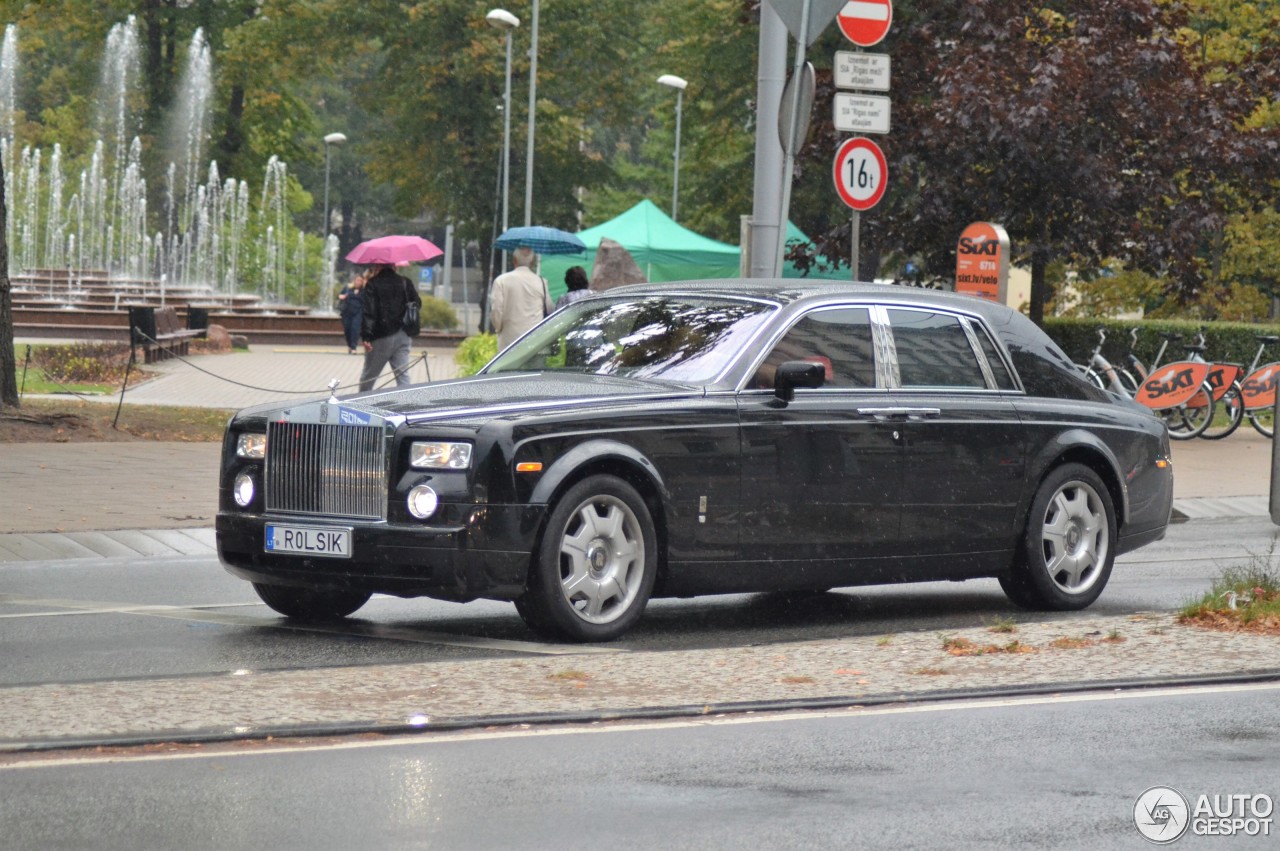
[701,438]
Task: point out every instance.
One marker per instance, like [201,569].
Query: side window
[1004,380]
[839,339]
[933,350]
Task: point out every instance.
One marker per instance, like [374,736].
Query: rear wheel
[1192,418]
[1229,414]
[595,565]
[1069,544]
[1263,420]
[314,605]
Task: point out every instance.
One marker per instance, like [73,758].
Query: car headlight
[439,455]
[252,446]
[423,502]
[243,489]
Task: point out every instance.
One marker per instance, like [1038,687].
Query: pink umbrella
[394,250]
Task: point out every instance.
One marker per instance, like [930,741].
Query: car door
[821,475]
[965,451]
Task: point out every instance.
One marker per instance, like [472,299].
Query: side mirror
[797,373]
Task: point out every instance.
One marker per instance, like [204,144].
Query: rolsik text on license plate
[308,540]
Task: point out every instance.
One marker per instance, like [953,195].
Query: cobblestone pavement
[1096,651]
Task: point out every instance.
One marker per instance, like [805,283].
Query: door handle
[900,413]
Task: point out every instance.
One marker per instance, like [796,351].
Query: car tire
[1069,544]
[312,605]
[595,564]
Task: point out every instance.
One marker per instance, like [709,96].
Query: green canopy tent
[664,250]
[789,270]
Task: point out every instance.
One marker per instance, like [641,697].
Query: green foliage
[83,363]
[474,352]
[437,313]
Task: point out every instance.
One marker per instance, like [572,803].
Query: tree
[1083,128]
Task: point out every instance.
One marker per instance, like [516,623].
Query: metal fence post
[1275,468]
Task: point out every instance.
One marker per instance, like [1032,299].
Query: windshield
[676,338]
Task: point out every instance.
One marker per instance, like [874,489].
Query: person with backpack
[389,299]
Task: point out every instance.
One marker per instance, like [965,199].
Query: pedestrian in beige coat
[520,298]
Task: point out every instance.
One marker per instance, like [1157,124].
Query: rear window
[934,351]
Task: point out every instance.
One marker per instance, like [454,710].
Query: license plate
[309,540]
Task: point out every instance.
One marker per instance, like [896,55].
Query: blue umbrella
[543,240]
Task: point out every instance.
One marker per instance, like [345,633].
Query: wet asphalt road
[78,620]
[1049,772]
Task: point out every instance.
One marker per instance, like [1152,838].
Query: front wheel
[1069,544]
[1191,418]
[1229,415]
[595,565]
[311,605]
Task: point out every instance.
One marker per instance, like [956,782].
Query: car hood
[491,395]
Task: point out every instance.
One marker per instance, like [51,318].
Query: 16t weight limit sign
[860,173]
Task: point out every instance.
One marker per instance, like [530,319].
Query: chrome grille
[330,470]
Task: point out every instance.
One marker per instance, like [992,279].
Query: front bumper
[488,556]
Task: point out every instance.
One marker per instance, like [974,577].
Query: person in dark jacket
[351,301]
[382,329]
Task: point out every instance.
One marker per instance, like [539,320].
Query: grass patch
[1004,625]
[570,676]
[930,672]
[1071,643]
[74,420]
[964,647]
[1240,599]
[90,368]
[884,641]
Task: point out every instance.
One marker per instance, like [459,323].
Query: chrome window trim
[987,375]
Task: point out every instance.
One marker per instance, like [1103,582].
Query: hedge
[1231,342]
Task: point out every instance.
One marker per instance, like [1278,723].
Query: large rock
[614,267]
[217,339]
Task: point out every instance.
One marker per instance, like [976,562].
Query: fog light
[244,489]
[423,502]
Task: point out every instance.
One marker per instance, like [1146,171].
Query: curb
[215,735]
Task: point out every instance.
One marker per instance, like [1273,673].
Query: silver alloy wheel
[1075,538]
[602,559]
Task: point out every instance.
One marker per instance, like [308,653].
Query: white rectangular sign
[868,71]
[861,113]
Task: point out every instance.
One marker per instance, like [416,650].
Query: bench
[159,332]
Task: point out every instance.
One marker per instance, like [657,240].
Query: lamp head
[502,19]
[673,81]
[335,139]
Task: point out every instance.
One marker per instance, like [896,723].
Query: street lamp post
[533,100]
[679,84]
[329,141]
[505,21]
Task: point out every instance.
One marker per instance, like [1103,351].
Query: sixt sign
[982,262]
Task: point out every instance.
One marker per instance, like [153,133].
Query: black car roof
[791,290]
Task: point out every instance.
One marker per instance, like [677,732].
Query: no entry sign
[860,173]
[865,22]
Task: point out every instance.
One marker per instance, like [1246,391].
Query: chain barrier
[355,386]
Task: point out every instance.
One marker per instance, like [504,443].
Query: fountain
[104,244]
